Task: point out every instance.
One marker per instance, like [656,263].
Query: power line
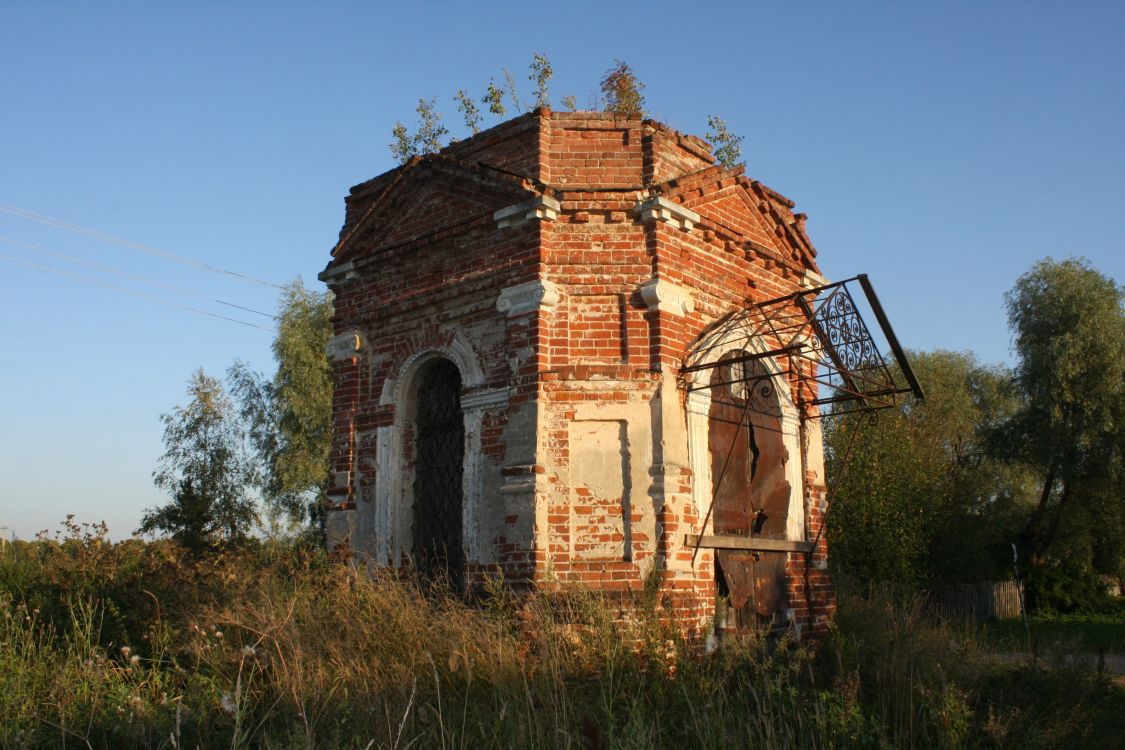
[86,231]
[126,274]
[133,292]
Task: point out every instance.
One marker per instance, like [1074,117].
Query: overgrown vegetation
[140,645]
[919,501]
[620,92]
[728,146]
[940,491]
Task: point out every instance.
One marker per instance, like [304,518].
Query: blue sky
[942,148]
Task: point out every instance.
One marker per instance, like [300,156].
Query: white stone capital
[665,296]
[539,207]
[811,279]
[485,399]
[344,346]
[338,274]
[524,298]
[662,209]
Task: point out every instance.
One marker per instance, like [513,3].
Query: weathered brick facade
[568,265]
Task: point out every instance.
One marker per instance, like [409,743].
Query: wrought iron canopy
[822,337]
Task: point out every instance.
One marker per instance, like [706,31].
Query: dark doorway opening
[439,450]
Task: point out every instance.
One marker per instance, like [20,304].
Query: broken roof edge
[470,155]
[526,120]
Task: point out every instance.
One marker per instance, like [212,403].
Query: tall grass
[137,645]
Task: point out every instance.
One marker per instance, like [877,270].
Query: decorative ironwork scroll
[819,338]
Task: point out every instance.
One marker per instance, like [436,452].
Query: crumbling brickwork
[568,264]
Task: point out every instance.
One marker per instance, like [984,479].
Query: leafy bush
[1065,586]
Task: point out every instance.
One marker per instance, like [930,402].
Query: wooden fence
[978,601]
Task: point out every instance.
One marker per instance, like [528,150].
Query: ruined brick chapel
[575,350]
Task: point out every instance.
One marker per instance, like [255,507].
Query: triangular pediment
[431,195]
[747,210]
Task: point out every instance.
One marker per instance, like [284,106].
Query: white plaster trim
[662,209]
[471,490]
[699,453]
[338,274]
[387,481]
[485,399]
[811,279]
[393,489]
[344,346]
[526,297]
[539,207]
[459,351]
[665,296]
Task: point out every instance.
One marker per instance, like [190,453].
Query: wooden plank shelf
[753,544]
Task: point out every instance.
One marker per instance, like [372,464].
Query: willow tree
[289,415]
[1069,337]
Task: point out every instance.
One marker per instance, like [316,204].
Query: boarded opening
[749,489]
[439,450]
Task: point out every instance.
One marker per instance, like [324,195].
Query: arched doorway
[439,458]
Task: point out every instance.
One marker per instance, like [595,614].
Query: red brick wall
[431,260]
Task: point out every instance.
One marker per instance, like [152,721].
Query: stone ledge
[539,207]
[527,297]
[810,279]
[667,297]
[343,347]
[339,274]
[670,212]
[485,399]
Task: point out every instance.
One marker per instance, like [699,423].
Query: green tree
[728,146]
[541,73]
[622,91]
[1069,336]
[468,109]
[206,469]
[494,98]
[917,498]
[426,138]
[289,416]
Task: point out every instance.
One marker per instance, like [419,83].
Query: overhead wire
[104,237]
[128,275]
[133,292]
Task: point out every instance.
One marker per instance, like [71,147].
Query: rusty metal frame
[825,341]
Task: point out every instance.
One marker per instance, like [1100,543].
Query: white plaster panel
[601,490]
